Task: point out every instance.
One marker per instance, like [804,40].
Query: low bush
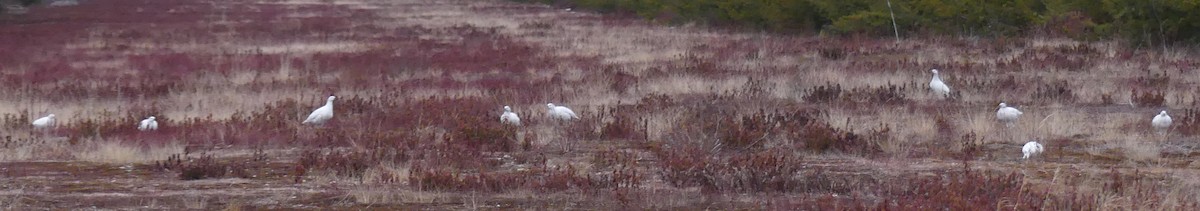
[1059,92]
[766,171]
[1147,98]
[970,189]
[1187,122]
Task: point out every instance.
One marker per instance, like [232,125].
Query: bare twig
[894,28]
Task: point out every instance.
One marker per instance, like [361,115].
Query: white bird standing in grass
[1161,122]
[44,122]
[1032,148]
[1008,115]
[509,117]
[148,124]
[561,112]
[322,114]
[938,86]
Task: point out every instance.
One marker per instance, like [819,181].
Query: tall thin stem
[894,28]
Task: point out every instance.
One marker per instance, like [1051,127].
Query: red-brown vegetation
[670,118]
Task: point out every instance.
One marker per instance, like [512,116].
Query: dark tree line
[5,4]
[1141,21]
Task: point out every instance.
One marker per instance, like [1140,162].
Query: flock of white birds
[324,113]
[1008,115]
[48,121]
[1005,114]
[555,112]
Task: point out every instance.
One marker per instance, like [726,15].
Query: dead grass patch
[112,151]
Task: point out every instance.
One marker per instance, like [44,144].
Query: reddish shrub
[202,168]
[623,124]
[433,178]
[742,172]
[823,94]
[1188,123]
[967,190]
[886,95]
[1147,98]
[1059,91]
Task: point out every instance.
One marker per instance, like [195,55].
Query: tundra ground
[672,117]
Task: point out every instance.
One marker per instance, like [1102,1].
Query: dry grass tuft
[123,153]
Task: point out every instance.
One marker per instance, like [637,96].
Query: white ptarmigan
[148,124]
[1008,115]
[322,114]
[561,112]
[1161,122]
[1032,148]
[509,117]
[44,122]
[938,87]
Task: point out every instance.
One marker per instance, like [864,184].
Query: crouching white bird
[1008,115]
[322,114]
[939,88]
[1161,122]
[44,122]
[509,117]
[148,124]
[561,112]
[1030,149]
